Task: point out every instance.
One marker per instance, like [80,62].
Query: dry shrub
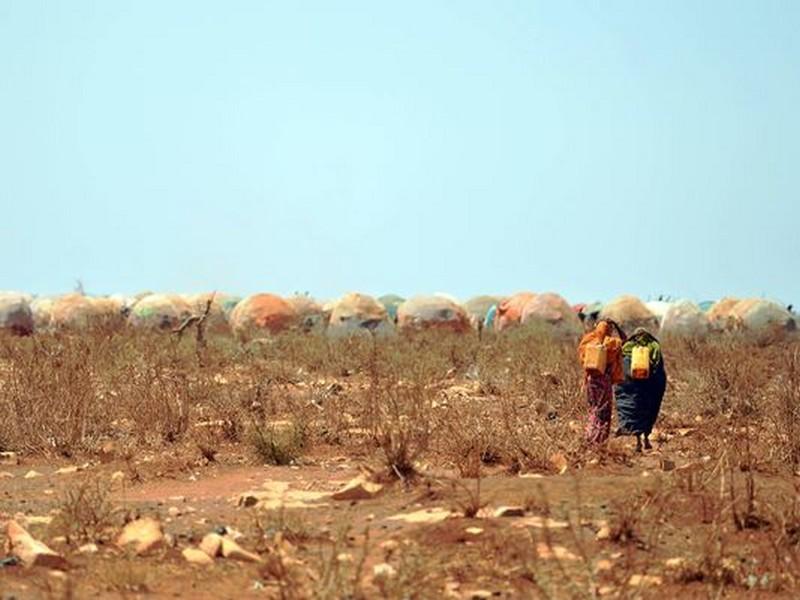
[85,512]
[278,443]
[48,395]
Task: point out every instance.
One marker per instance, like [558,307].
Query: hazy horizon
[590,149]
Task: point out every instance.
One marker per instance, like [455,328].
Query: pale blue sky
[589,148]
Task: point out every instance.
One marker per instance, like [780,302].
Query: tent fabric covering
[685,318]
[356,313]
[309,312]
[630,313]
[639,400]
[16,316]
[262,315]
[509,312]
[554,310]
[42,307]
[160,311]
[720,315]
[659,308]
[432,312]
[762,318]
[77,311]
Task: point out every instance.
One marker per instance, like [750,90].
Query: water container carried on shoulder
[640,362]
[595,359]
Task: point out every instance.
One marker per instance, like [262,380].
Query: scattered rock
[531,476]
[603,565]
[358,489]
[509,511]
[32,552]
[675,563]
[234,551]
[541,523]
[9,458]
[117,476]
[479,595]
[667,464]
[196,556]
[146,533]
[546,551]
[473,530]
[6,475]
[277,495]
[88,549]
[212,545]
[34,519]
[645,580]
[384,571]
[32,474]
[66,470]
[559,462]
[429,515]
[174,512]
[604,532]
[70,470]
[605,590]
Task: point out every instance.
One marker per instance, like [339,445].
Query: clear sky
[588,148]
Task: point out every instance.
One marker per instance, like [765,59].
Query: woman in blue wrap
[639,400]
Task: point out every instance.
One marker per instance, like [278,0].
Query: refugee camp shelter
[432,312]
[16,316]
[262,315]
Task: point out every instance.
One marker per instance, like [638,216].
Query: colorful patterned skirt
[600,397]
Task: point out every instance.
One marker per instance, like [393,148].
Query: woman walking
[640,394]
[600,353]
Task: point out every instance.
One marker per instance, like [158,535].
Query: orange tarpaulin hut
[262,315]
[509,312]
[552,310]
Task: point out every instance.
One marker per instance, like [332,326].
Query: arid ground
[472,479]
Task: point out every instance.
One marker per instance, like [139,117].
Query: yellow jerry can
[595,359]
[640,362]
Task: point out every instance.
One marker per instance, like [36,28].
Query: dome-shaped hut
[630,312]
[356,313]
[432,312]
[16,316]
[509,311]
[552,311]
[262,315]
[160,311]
[685,319]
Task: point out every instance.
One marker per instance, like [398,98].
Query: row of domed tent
[262,315]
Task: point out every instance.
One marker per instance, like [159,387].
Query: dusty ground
[452,428]
[555,544]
